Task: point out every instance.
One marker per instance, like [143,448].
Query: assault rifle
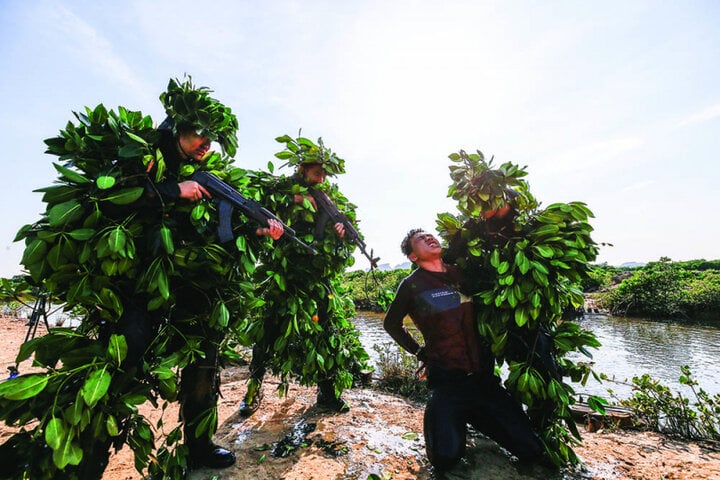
[328,211]
[229,198]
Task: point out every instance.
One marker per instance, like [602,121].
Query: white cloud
[85,45]
[709,114]
[642,185]
[592,157]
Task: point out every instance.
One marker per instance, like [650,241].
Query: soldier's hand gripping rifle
[229,199]
[328,211]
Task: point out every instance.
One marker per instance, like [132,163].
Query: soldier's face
[193,145]
[314,173]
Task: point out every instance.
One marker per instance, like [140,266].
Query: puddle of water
[241,436]
[296,438]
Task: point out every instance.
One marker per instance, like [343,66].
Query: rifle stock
[328,210]
[229,199]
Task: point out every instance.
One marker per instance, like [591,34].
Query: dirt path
[382,434]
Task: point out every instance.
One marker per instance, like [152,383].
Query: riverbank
[382,434]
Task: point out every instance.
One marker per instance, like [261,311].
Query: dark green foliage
[373,290]
[655,407]
[524,266]
[699,265]
[666,289]
[598,277]
[398,373]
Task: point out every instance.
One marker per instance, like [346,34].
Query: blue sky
[616,104]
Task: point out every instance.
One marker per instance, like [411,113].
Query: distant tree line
[688,290]
[373,290]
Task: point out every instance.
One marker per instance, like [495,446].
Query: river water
[630,347]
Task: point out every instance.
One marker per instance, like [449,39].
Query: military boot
[252,399]
[327,400]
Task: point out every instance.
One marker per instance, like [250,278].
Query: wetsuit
[463,387]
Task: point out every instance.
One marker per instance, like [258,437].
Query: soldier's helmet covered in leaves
[303,151]
[192,108]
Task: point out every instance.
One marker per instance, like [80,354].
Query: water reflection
[634,346]
[630,347]
[372,332]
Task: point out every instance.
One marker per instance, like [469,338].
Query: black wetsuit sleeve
[167,189]
[393,322]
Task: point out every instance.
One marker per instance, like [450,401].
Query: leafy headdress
[192,108]
[303,151]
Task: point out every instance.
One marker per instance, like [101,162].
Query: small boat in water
[616,416]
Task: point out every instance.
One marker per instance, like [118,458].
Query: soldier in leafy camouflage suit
[306,332]
[129,239]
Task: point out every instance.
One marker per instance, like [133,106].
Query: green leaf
[521,317]
[125,196]
[546,230]
[241,243]
[167,241]
[197,212]
[69,453]
[168,388]
[55,432]
[284,155]
[163,373]
[155,303]
[208,423]
[117,349]
[280,280]
[540,267]
[522,262]
[116,240]
[34,252]
[136,138]
[104,182]
[60,193]
[544,251]
[55,258]
[64,213]
[512,300]
[24,386]
[162,282]
[82,234]
[112,426]
[495,258]
[96,386]
[71,175]
[74,412]
[221,315]
[109,299]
